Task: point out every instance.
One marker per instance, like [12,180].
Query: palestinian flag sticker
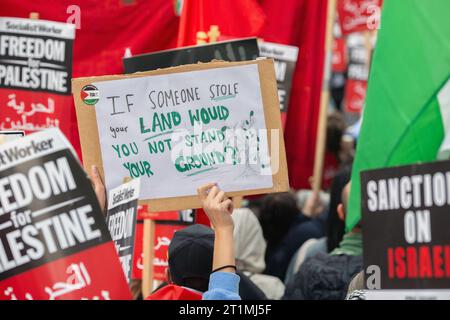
[90,94]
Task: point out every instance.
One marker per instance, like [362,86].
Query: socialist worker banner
[54,243]
[405,219]
[35,74]
[121,221]
[103,38]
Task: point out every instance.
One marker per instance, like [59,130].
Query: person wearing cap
[190,264]
[201,261]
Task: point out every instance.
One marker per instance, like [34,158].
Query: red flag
[205,21]
[300,23]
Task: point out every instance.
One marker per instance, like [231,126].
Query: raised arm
[224,283]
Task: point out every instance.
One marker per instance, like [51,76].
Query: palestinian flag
[89,94]
[407,112]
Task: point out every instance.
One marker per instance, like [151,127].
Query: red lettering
[425,269]
[400,269]
[447,261]
[411,258]
[437,262]
[391,263]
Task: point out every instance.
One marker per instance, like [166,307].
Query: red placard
[339,57]
[359,15]
[79,276]
[138,258]
[355,95]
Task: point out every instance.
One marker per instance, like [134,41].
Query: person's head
[190,257]
[335,225]
[335,130]
[343,206]
[278,211]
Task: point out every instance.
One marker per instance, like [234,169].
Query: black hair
[335,129]
[335,226]
[278,211]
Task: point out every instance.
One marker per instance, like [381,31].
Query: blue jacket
[223,286]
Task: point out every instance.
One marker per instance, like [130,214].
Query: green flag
[407,110]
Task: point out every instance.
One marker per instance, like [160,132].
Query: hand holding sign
[217,206]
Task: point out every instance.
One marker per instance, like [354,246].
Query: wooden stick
[324,100]
[148,252]
[237,201]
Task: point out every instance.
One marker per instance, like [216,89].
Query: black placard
[405,223]
[236,50]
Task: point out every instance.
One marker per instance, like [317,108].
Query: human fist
[217,205]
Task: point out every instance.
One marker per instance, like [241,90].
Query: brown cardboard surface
[90,145]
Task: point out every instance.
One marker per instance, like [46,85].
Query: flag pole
[324,100]
[148,252]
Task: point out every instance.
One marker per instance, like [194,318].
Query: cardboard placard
[52,231]
[405,219]
[90,141]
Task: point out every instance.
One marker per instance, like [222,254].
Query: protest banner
[149,125]
[234,50]
[339,55]
[360,48]
[285,59]
[359,15]
[35,75]
[121,221]
[405,218]
[54,243]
